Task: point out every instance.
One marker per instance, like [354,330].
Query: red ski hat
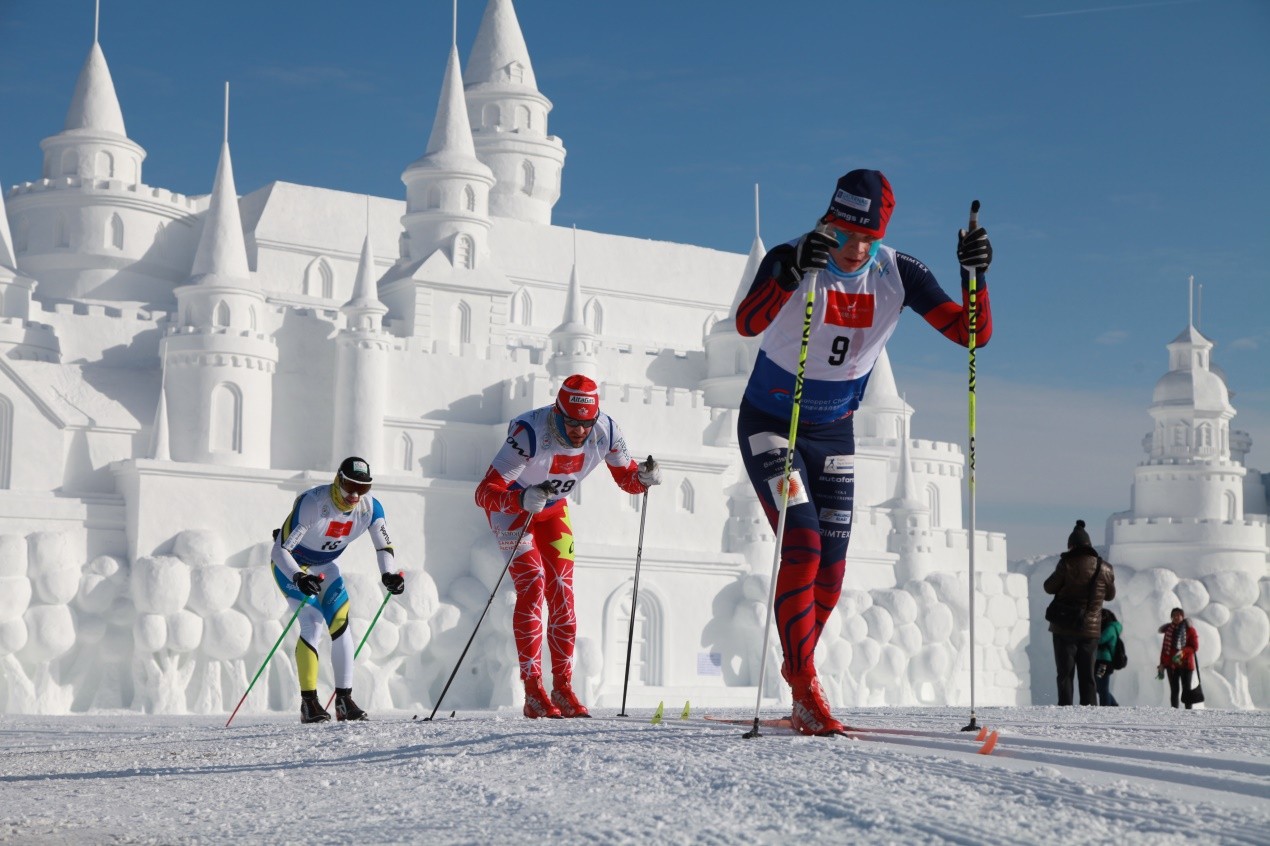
[862,202]
[579,398]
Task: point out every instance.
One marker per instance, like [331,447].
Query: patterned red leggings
[543,567]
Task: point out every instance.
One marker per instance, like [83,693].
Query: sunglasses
[349,486]
[576,424]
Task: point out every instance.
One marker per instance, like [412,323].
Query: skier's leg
[527,577]
[554,536]
[829,455]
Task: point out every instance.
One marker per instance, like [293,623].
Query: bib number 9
[839,349]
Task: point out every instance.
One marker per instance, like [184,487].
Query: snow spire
[95,106]
[451,137]
[364,311]
[499,55]
[222,250]
[905,498]
[160,449]
[572,342]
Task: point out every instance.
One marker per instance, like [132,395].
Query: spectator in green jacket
[1111,629]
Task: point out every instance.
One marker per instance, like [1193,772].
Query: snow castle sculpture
[176,369]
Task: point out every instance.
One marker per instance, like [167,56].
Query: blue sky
[1117,148]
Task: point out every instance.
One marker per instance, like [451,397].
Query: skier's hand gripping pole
[808,308]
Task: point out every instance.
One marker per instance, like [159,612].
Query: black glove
[974,250]
[810,253]
[308,584]
[395,582]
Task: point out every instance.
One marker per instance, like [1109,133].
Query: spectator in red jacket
[1177,655]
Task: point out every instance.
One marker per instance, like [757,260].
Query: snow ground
[1059,775]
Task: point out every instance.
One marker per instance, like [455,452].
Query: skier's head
[862,202]
[352,482]
[1078,537]
[577,407]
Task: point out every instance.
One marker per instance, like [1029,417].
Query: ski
[988,741]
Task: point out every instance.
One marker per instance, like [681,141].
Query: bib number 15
[838,351]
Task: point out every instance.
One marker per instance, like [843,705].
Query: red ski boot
[811,710]
[537,703]
[563,697]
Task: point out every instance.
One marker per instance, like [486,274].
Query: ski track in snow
[1059,775]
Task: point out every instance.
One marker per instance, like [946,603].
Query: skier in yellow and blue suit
[306,551]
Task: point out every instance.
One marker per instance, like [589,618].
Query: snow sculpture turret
[447,188]
[218,359]
[361,375]
[910,521]
[19,337]
[445,283]
[89,229]
[883,413]
[509,119]
[572,342]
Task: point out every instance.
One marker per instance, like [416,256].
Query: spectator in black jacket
[1081,581]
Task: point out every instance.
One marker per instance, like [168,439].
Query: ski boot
[537,703]
[563,697]
[345,707]
[811,711]
[311,710]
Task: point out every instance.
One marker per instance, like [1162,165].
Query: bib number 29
[838,352]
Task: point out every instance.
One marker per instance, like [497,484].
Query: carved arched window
[646,637]
[6,441]
[932,502]
[527,176]
[220,315]
[490,116]
[105,165]
[1204,435]
[516,72]
[116,232]
[593,314]
[687,498]
[1232,506]
[522,308]
[464,252]
[70,163]
[523,120]
[319,279]
[469,199]
[434,198]
[461,323]
[225,431]
[405,453]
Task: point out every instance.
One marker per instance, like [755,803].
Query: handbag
[1120,658]
[1195,695]
[1067,614]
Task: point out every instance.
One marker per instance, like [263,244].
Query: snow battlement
[81,309]
[147,192]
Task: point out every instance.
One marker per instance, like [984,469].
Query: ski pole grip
[974,216]
[648,465]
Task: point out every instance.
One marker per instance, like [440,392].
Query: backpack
[1119,658]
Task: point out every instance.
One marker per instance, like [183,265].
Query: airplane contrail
[1109,8]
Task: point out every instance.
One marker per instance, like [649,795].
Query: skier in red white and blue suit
[862,286]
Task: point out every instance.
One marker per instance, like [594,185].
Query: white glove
[534,499]
[649,473]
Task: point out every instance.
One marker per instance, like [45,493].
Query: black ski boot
[345,707]
[311,711]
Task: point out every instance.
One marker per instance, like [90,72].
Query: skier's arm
[495,492]
[624,469]
[772,286]
[286,539]
[924,295]
[379,537]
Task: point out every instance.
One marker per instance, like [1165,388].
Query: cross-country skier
[322,523]
[862,286]
[547,454]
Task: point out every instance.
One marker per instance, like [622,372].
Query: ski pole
[970,475]
[639,553]
[477,627]
[299,608]
[365,637]
[808,308]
